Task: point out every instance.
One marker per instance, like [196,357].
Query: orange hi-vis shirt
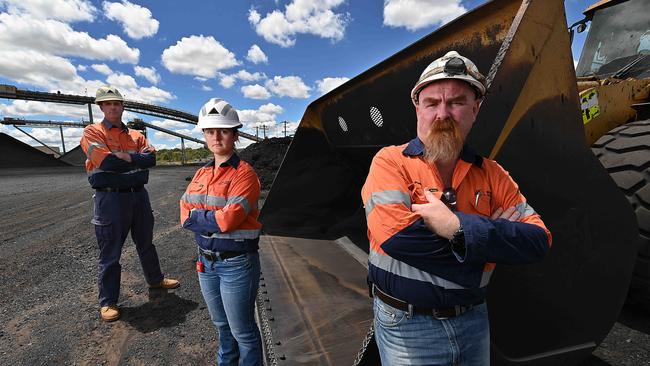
[101,140]
[411,263]
[220,207]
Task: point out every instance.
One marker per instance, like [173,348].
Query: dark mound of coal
[17,154]
[75,157]
[266,156]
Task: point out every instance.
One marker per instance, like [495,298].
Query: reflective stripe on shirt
[387,197]
[216,201]
[236,234]
[392,265]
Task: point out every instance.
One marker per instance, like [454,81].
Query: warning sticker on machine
[589,106]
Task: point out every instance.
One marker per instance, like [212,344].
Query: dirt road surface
[48,293]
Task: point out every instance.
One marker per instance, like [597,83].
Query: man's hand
[511,214]
[147,149]
[122,155]
[438,218]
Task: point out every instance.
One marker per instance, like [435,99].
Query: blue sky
[269,59]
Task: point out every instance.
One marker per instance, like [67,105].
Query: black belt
[439,313]
[121,190]
[216,256]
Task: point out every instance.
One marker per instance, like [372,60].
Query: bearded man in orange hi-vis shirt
[439,218]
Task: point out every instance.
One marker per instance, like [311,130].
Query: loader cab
[618,43]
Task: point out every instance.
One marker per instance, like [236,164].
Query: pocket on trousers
[240,260]
[387,315]
[102,224]
[98,218]
[103,231]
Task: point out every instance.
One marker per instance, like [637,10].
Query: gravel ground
[48,294]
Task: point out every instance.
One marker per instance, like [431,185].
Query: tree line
[175,155]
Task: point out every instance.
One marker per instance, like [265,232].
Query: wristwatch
[457,241]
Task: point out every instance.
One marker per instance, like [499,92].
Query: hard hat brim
[217,122]
[443,76]
[108,98]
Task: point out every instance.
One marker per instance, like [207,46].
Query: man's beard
[444,142]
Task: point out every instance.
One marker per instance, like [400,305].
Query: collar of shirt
[109,125]
[415,147]
[232,161]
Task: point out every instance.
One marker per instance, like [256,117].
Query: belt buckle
[437,315]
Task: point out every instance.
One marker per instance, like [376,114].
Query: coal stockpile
[75,157]
[17,154]
[266,156]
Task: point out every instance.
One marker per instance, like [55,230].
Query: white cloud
[199,56]
[288,86]
[64,10]
[136,20]
[227,81]
[42,70]
[265,114]
[206,88]
[82,67]
[417,14]
[29,108]
[59,39]
[150,94]
[177,145]
[271,108]
[277,130]
[301,17]
[45,71]
[148,73]
[49,136]
[326,84]
[256,121]
[255,92]
[171,125]
[164,136]
[102,69]
[256,55]
[121,81]
[52,136]
[253,16]
[55,73]
[247,76]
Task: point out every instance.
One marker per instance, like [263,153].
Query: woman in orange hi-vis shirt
[220,207]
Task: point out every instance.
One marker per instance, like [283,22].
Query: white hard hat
[217,113]
[450,66]
[106,93]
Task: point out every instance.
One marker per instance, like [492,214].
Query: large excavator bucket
[554,312]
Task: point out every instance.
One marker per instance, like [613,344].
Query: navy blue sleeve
[112,163]
[501,241]
[144,160]
[202,222]
[417,246]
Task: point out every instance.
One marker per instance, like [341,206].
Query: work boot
[167,284]
[109,313]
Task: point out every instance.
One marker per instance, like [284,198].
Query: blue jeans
[115,214]
[229,288]
[424,340]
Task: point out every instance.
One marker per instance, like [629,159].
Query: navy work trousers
[117,213]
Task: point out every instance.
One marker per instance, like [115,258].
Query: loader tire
[625,153]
